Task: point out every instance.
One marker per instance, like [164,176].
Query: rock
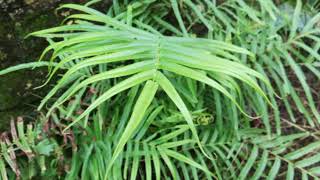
[17,96]
[17,88]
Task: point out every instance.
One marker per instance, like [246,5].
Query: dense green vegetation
[175,90]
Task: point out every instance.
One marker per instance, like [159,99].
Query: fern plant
[26,152]
[167,89]
[153,57]
[162,146]
[284,39]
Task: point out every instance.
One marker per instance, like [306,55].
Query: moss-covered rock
[19,18]
[17,88]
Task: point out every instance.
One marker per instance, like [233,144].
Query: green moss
[16,89]
[34,22]
[6,116]
[11,89]
[17,94]
[3,55]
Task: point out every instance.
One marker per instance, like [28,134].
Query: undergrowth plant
[26,150]
[180,90]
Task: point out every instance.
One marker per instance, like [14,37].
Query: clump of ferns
[98,51]
[97,41]
[27,151]
[283,37]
